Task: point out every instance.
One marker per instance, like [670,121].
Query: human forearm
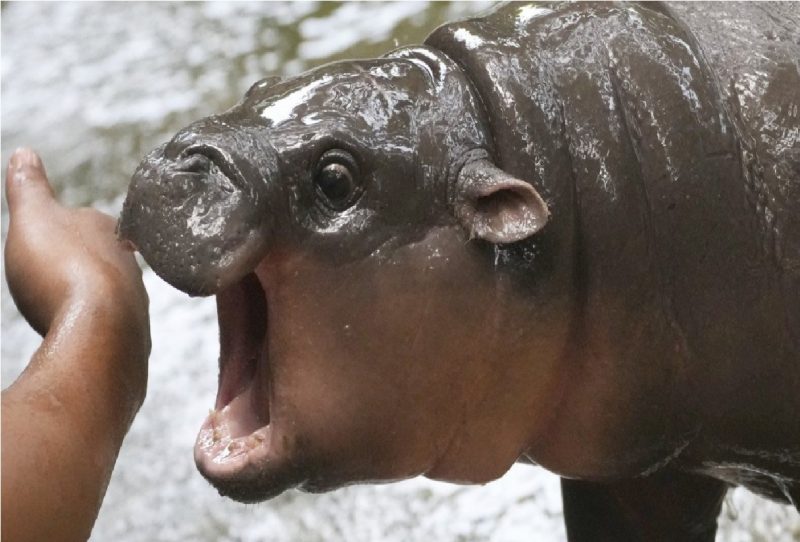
[64,421]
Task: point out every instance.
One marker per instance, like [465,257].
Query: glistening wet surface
[93,87]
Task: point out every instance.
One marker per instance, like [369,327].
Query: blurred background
[92,87]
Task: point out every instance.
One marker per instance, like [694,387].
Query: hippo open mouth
[234,442]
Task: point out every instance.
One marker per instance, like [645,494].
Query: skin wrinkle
[666,304]
[760,197]
[475,91]
[573,350]
[750,163]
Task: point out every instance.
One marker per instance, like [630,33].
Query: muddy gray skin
[567,234]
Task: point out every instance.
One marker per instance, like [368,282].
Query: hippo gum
[565,234]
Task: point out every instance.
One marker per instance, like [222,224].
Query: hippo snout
[197,210]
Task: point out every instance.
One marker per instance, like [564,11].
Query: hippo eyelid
[331,146]
[339,156]
[222,160]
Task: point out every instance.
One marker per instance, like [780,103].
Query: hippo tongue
[241,415]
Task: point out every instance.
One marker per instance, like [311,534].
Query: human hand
[64,263]
[55,254]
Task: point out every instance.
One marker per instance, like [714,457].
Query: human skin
[65,417]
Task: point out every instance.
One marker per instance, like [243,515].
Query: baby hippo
[563,234]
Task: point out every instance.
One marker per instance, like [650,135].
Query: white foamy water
[93,86]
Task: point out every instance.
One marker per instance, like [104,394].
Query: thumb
[26,181]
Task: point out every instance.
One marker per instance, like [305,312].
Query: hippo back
[669,161]
[753,50]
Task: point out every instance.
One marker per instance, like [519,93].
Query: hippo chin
[563,234]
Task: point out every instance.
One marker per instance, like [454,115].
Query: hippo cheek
[343,373]
[291,409]
[253,445]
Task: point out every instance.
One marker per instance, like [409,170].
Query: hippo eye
[336,179]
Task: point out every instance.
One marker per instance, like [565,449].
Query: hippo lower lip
[235,440]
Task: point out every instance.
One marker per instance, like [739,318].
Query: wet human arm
[64,419]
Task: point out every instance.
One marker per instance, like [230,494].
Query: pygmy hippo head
[344,219]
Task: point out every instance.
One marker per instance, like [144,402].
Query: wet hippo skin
[567,234]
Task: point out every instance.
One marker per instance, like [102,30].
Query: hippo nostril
[215,158]
[195,163]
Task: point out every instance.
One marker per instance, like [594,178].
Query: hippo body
[565,234]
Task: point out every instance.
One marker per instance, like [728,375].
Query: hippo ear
[496,207]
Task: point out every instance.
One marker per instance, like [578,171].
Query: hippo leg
[667,506]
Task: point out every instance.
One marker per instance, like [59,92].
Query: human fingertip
[127,245]
[25,167]
[26,178]
[24,157]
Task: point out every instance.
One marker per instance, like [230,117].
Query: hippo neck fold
[459,111]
